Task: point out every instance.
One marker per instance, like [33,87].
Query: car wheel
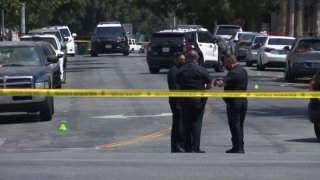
[288,76]
[94,54]
[47,111]
[72,55]
[64,77]
[220,67]
[154,70]
[248,63]
[126,53]
[317,130]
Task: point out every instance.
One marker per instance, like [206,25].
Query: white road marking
[122,116]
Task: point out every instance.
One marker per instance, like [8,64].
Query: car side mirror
[52,59]
[287,48]
[74,34]
[60,55]
[63,47]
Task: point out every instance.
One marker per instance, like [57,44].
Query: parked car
[166,43]
[272,52]
[134,47]
[303,58]
[58,48]
[109,37]
[254,46]
[23,65]
[48,50]
[66,33]
[222,32]
[314,104]
[242,45]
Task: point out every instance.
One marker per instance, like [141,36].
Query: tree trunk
[316,23]
[290,18]
[298,23]
[283,17]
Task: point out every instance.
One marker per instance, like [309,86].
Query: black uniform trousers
[176,129]
[237,110]
[192,115]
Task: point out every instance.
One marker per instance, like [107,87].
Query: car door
[208,48]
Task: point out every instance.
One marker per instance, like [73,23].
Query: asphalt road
[129,138]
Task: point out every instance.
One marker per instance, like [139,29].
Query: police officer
[175,106]
[236,80]
[193,77]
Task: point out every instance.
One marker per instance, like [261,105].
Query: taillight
[268,49]
[300,50]
[242,43]
[187,47]
[255,47]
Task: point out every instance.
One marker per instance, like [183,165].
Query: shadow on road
[307,140]
[276,111]
[19,118]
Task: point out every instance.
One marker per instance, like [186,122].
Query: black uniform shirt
[171,77]
[236,80]
[193,77]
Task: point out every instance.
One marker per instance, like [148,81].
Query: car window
[310,44]
[23,56]
[52,41]
[113,31]
[247,37]
[259,40]
[162,38]
[279,41]
[190,37]
[227,30]
[65,32]
[204,37]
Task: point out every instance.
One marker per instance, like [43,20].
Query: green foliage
[146,15]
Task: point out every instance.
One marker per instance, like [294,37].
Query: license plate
[108,46]
[165,49]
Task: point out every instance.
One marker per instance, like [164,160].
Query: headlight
[42,85]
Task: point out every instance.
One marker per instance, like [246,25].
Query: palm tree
[290,18]
[316,23]
[298,23]
[283,17]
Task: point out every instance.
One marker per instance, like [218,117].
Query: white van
[65,32]
[223,32]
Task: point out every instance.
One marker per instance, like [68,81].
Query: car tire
[317,130]
[72,55]
[126,53]
[94,54]
[47,111]
[288,76]
[248,63]
[154,70]
[220,67]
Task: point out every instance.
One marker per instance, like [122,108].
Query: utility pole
[23,18]
[2,24]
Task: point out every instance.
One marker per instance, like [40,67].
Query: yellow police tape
[124,93]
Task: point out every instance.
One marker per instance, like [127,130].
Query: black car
[314,104]
[109,37]
[56,73]
[303,58]
[24,65]
[166,43]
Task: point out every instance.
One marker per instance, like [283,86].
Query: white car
[65,32]
[134,47]
[272,53]
[53,40]
[253,49]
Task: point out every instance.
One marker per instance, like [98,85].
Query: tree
[290,18]
[298,21]
[283,17]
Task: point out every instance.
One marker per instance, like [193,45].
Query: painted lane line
[122,116]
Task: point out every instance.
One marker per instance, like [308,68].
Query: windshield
[19,56]
[52,41]
[280,41]
[65,32]
[259,40]
[167,38]
[227,30]
[110,31]
[310,44]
